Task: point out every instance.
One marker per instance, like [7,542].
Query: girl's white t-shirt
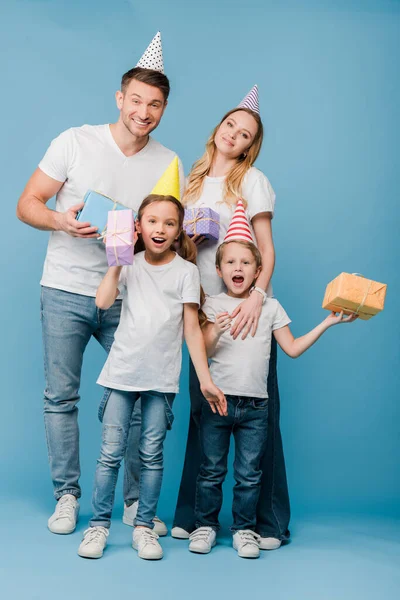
[260,197]
[240,367]
[147,349]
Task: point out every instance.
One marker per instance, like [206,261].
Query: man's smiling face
[141,107]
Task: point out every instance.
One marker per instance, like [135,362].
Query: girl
[161,299]
[240,368]
[222,175]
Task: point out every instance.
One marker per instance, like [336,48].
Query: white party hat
[251,100]
[152,58]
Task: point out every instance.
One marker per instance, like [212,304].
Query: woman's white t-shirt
[260,197]
[147,349]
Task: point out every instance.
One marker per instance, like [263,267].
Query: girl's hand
[222,323]
[198,238]
[248,313]
[215,398]
[335,319]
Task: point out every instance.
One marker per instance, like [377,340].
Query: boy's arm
[196,346]
[294,347]
[108,290]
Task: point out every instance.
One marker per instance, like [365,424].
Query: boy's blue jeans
[157,417]
[68,322]
[247,421]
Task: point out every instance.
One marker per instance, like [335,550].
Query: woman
[222,175]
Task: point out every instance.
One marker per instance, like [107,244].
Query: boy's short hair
[252,247]
[149,76]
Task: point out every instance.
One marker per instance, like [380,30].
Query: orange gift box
[355,294]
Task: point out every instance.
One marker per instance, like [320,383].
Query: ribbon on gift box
[117,233]
[114,208]
[200,216]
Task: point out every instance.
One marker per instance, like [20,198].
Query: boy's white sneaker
[93,543]
[144,540]
[63,520]
[129,517]
[179,533]
[246,542]
[202,540]
[269,543]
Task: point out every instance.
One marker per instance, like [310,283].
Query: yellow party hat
[168,184]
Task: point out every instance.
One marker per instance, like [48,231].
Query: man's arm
[32,209]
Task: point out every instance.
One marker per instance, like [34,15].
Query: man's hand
[215,398]
[67,222]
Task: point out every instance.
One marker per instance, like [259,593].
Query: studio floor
[329,558]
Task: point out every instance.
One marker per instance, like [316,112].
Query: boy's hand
[335,319]
[215,398]
[222,323]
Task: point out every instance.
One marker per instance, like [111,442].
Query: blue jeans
[247,421]
[273,510]
[68,322]
[157,417]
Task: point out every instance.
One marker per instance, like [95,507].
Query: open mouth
[158,240]
[238,279]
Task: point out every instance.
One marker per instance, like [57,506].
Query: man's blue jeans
[157,417]
[247,421]
[68,322]
[273,510]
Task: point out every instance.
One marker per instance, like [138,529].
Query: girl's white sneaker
[63,520]
[202,540]
[144,540]
[246,542]
[270,543]
[93,543]
[129,517]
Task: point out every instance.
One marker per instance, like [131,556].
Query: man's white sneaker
[270,543]
[64,518]
[202,540]
[93,543]
[129,517]
[246,542]
[144,540]
[179,533]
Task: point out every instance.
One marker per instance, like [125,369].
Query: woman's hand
[198,238]
[215,398]
[247,315]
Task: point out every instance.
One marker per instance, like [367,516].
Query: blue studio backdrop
[329,95]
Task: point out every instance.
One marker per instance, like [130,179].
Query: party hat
[251,100]
[152,58]
[239,228]
[168,184]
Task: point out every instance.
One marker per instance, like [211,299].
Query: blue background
[329,88]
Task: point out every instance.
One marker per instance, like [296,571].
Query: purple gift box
[119,238]
[202,221]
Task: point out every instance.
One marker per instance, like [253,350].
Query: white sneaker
[269,543]
[202,540]
[93,543]
[144,540]
[179,533]
[64,518]
[246,542]
[129,517]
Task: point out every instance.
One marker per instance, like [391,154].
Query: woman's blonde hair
[184,245]
[234,179]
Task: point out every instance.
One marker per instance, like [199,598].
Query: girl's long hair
[183,246]
[234,179]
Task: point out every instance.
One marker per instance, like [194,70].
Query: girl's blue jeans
[157,417]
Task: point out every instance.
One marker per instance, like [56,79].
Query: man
[123,162]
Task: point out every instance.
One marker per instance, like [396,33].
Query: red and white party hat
[239,227]
[152,58]
[251,100]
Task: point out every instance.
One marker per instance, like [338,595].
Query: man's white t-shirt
[87,158]
[260,197]
[240,367]
[147,349]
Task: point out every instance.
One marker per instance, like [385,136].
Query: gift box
[353,293]
[96,209]
[119,238]
[202,221]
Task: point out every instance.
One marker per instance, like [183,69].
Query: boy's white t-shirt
[147,349]
[260,197]
[87,158]
[240,367]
